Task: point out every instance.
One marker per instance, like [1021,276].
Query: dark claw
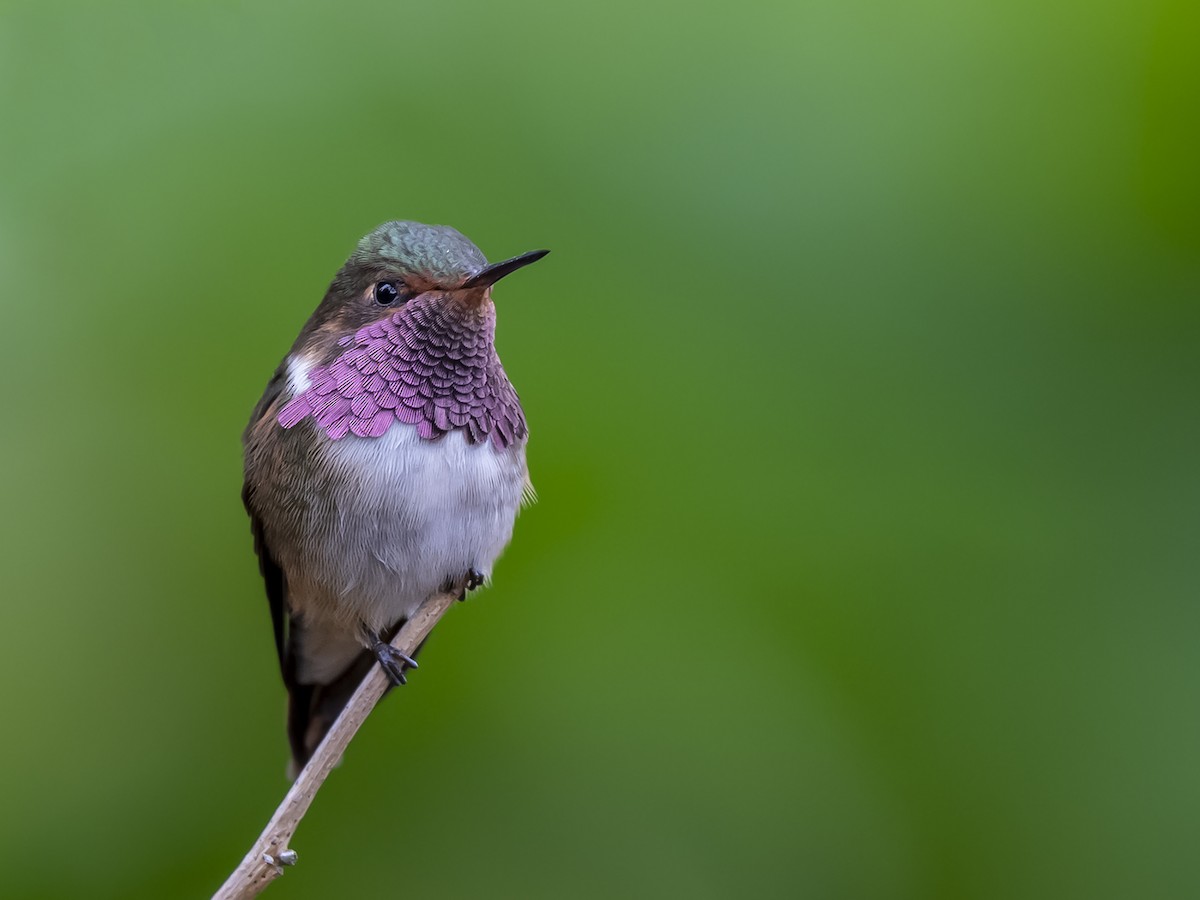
[474,580]
[393,662]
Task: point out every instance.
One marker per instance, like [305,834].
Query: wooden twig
[270,853]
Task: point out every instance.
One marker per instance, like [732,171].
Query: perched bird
[384,462]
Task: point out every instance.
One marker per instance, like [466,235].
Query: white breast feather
[428,510]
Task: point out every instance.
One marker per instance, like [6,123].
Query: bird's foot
[474,580]
[391,660]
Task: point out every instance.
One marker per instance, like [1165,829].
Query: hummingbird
[384,462]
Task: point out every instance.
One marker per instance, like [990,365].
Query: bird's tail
[312,709]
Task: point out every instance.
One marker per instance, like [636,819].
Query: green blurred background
[862,383]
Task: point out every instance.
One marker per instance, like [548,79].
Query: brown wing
[273,577]
[275,583]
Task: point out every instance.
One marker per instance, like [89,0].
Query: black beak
[496,271]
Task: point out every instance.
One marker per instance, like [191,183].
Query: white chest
[418,512]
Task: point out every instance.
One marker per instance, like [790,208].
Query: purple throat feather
[421,366]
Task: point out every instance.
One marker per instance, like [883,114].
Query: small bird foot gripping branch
[266,860]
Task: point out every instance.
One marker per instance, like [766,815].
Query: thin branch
[264,863]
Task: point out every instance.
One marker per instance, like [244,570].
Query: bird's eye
[386,293]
